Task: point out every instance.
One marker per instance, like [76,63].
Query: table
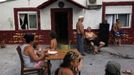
[59,56]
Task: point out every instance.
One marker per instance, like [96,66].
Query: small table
[59,56]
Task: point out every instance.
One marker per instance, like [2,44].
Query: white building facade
[18,17]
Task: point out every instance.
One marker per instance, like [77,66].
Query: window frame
[16,20]
[28,13]
[115,16]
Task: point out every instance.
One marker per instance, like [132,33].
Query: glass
[39,51]
[23,22]
[32,21]
[28,21]
[124,19]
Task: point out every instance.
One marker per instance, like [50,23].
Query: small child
[38,51]
[53,42]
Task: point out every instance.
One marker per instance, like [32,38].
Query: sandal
[128,71]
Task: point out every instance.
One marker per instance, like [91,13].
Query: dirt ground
[92,64]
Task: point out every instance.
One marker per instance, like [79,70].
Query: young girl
[70,64]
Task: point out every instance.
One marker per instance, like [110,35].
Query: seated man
[93,40]
[117,32]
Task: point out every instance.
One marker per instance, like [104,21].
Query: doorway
[61,27]
[61,24]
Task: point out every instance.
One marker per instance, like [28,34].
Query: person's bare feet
[95,51]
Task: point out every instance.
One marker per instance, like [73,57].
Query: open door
[62,24]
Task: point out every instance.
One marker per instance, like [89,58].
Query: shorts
[118,34]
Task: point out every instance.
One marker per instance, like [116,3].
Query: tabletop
[60,54]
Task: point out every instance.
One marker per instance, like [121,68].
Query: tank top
[27,60]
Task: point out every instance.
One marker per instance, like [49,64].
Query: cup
[40,51]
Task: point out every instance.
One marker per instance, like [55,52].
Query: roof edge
[47,3]
[7,1]
[77,4]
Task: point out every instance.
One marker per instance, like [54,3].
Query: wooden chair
[24,70]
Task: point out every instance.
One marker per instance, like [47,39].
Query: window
[28,21]
[124,18]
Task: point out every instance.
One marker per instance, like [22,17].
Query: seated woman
[70,64]
[93,40]
[53,43]
[31,59]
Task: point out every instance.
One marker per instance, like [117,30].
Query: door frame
[69,17]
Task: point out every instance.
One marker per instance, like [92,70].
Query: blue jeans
[80,43]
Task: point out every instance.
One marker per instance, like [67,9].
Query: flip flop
[128,71]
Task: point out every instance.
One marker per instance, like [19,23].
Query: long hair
[70,56]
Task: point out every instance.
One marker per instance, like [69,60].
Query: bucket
[64,46]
